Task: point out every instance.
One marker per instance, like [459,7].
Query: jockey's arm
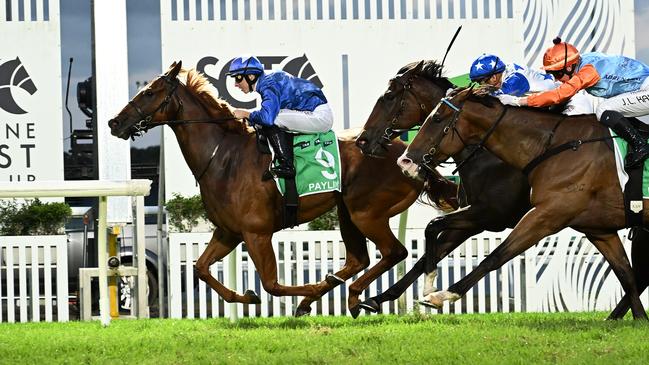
[586,77]
[269,105]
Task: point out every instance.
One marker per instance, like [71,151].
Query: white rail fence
[33,278]
[19,255]
[564,272]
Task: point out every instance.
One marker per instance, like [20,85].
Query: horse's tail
[441,192]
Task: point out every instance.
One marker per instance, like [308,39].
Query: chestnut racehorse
[578,190]
[223,157]
[495,195]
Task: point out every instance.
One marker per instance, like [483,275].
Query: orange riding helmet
[560,56]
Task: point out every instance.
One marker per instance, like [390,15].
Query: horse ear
[417,68]
[174,69]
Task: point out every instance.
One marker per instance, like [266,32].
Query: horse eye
[389,95]
[148,93]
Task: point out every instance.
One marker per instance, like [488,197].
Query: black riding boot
[621,126]
[283,148]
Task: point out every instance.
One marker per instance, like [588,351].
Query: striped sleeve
[584,78]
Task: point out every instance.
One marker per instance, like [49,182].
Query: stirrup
[283,172]
[634,159]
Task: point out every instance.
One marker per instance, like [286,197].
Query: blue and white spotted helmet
[245,65]
[485,66]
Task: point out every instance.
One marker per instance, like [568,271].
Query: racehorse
[223,157]
[579,190]
[498,193]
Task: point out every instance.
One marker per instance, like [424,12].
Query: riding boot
[282,146]
[622,127]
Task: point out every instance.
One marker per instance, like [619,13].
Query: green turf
[583,338]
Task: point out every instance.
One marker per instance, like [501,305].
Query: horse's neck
[523,134]
[198,141]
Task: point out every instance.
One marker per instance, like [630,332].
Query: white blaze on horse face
[409,168]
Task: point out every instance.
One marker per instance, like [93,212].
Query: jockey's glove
[509,99]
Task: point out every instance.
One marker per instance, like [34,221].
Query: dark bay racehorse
[578,190]
[495,195]
[222,154]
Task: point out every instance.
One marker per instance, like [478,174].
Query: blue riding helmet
[245,65]
[485,66]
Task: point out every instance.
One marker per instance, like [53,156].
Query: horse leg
[640,265]
[535,225]
[220,245]
[261,252]
[446,242]
[356,259]
[611,248]
[392,252]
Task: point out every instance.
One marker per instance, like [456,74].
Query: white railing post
[102,257]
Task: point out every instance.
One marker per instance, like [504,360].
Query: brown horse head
[409,98]
[155,102]
[439,137]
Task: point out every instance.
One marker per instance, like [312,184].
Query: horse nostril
[113,123]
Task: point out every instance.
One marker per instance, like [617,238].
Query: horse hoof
[332,279]
[429,304]
[299,311]
[254,298]
[370,305]
[355,311]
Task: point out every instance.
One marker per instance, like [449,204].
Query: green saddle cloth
[317,164]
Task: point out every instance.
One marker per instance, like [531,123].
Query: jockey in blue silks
[515,80]
[288,103]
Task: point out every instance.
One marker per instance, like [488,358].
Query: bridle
[145,119]
[429,163]
[392,129]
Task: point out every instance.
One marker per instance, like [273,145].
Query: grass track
[583,338]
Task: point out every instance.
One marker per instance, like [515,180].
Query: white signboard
[31,140]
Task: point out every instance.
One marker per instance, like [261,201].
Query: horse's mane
[199,86]
[431,70]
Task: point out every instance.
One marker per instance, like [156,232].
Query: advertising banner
[31,141]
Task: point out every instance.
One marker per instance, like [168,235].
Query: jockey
[287,104]
[623,83]
[516,80]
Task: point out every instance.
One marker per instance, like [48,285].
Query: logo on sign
[13,78]
[299,67]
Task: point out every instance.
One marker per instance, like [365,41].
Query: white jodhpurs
[317,121]
[631,104]
[582,103]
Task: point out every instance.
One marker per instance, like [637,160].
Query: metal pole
[104,311]
[140,246]
[161,252]
[401,267]
[233,283]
